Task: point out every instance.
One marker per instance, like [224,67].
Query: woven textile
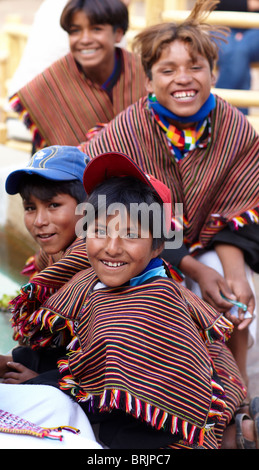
[48,281]
[218,184]
[45,283]
[13,424]
[60,105]
[140,349]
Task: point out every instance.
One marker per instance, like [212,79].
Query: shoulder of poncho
[135,113]
[64,61]
[82,278]
[129,56]
[227,110]
[78,244]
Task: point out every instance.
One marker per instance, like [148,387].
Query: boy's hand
[19,374]
[212,284]
[210,281]
[244,294]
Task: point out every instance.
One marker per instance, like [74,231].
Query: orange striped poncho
[60,105]
[217,183]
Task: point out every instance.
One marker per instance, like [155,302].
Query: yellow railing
[233,19]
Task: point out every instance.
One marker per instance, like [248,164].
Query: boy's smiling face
[51,223]
[92,45]
[180,83]
[118,249]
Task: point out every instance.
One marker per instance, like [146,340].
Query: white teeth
[88,51]
[113,265]
[184,94]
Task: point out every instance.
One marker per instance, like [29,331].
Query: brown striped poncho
[141,350]
[218,184]
[60,105]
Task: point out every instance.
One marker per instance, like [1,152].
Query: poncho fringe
[159,419]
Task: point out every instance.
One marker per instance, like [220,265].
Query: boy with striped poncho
[207,153]
[146,358]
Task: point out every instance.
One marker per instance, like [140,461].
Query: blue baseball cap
[58,162]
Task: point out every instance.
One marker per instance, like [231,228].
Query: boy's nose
[183,76]
[113,245]
[85,36]
[41,218]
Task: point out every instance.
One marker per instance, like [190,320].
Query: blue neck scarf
[154,268]
[165,113]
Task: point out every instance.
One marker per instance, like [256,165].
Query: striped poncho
[44,284]
[138,349]
[60,105]
[217,182]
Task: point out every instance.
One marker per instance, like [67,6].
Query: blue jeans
[235,58]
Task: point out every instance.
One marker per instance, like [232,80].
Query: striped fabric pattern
[232,381]
[73,260]
[44,284]
[140,349]
[60,105]
[216,184]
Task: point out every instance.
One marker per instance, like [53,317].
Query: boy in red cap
[146,357]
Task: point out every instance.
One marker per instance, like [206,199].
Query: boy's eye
[167,71]
[100,232]
[132,235]
[196,67]
[28,208]
[73,30]
[97,27]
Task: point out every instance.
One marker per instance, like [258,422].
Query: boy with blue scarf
[206,152]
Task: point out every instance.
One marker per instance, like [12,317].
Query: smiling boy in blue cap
[51,187]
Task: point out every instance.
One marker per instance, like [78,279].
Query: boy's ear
[149,85]
[119,33]
[158,251]
[213,79]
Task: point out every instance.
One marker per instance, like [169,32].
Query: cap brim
[108,165]
[13,181]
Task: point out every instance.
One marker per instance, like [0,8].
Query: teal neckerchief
[154,268]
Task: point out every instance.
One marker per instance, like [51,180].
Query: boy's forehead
[168,53]
[120,221]
[172,52]
[121,214]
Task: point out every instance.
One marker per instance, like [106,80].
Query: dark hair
[200,37]
[128,190]
[45,189]
[113,12]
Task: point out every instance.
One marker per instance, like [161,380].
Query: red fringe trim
[31,297]
[18,107]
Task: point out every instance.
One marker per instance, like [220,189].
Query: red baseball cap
[107,165]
